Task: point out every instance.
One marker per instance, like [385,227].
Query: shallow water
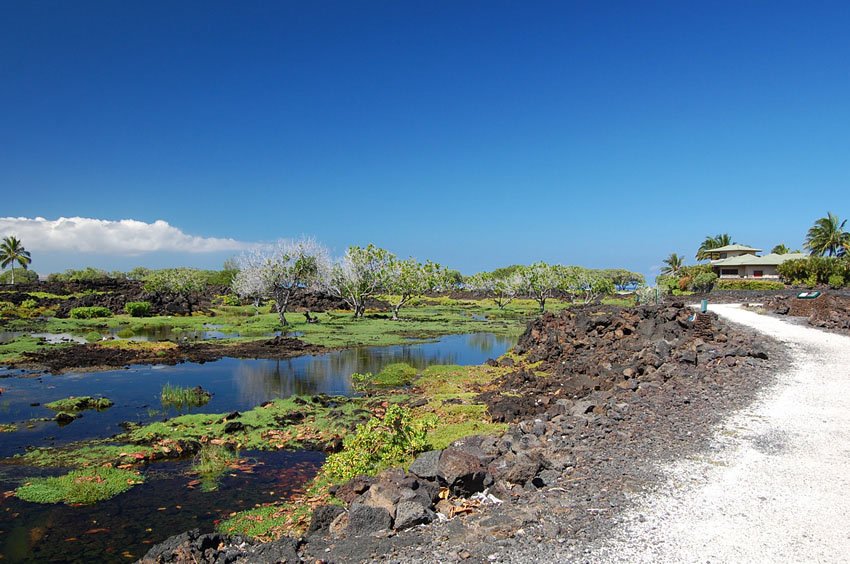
[236,385]
[33,532]
[124,528]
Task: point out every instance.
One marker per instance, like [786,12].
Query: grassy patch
[179,397]
[13,350]
[79,486]
[284,423]
[81,403]
[392,376]
[211,462]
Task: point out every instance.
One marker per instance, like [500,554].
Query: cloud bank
[126,237]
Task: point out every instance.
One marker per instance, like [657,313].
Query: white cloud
[126,237]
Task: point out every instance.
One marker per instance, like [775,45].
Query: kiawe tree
[541,281]
[281,270]
[501,285]
[12,251]
[828,237]
[360,274]
[407,279]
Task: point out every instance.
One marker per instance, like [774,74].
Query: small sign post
[704,306]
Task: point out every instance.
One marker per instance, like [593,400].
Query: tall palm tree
[827,237]
[719,240]
[672,264]
[12,251]
[780,249]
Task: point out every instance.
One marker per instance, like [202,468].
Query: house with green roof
[741,261]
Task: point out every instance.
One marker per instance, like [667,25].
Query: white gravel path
[776,485]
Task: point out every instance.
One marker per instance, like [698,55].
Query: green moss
[285,423]
[79,486]
[392,376]
[74,404]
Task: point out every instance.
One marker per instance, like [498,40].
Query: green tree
[586,283]
[186,284]
[540,281]
[672,265]
[362,273]
[12,251]
[502,285]
[710,243]
[828,237]
[408,278]
[780,249]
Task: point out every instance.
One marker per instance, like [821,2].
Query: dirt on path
[773,487]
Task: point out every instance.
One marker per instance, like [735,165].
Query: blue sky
[476,134]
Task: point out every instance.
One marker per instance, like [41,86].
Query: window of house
[728,272]
[758,273]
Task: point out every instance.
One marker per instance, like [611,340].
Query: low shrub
[704,282]
[725,284]
[21,276]
[93,337]
[137,309]
[227,300]
[92,312]
[836,281]
[650,296]
[80,486]
[379,444]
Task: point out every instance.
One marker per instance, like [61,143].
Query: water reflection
[236,385]
[259,381]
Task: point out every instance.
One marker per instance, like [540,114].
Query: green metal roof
[732,248]
[751,260]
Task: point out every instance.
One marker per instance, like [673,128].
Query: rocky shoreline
[90,357]
[623,390]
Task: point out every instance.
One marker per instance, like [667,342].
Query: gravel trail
[775,487]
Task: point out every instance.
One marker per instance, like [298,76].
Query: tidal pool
[123,528]
[165,504]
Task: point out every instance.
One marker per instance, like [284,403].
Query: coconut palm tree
[780,249]
[828,237]
[672,264]
[720,240]
[12,251]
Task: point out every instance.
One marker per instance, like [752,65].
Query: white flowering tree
[281,270]
[360,274]
[540,281]
[248,281]
[501,287]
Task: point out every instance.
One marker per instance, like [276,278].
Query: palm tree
[780,249]
[827,237]
[720,240]
[672,264]
[12,251]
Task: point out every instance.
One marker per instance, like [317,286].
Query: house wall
[768,272]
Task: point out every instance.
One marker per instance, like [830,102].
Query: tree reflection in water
[261,380]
